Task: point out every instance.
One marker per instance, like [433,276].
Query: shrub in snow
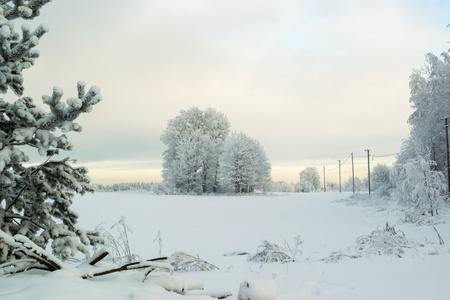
[269,252]
[184,262]
[293,248]
[258,289]
[35,200]
[119,245]
[386,241]
[421,190]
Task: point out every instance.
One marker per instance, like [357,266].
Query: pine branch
[30,249]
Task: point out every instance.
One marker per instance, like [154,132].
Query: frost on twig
[184,262]
[119,245]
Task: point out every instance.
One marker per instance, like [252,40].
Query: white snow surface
[210,226]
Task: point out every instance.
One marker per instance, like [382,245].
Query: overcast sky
[311,80]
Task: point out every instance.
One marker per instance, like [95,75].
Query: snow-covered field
[211,226]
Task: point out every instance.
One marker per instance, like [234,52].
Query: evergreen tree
[244,166]
[35,200]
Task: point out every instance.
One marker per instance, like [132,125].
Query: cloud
[308,79]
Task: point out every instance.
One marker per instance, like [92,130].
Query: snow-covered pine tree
[243,165]
[35,200]
[194,141]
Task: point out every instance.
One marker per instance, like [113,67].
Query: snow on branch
[14,9]
[270,252]
[381,242]
[386,241]
[182,261]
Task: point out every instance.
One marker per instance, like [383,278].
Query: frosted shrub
[184,262]
[420,189]
[269,253]
[386,241]
[119,245]
[381,242]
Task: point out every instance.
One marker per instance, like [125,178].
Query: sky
[312,80]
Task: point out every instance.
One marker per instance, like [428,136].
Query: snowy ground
[210,226]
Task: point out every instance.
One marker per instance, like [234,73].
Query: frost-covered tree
[194,141]
[35,200]
[309,180]
[359,185]
[418,174]
[420,189]
[380,179]
[430,91]
[244,166]
[283,187]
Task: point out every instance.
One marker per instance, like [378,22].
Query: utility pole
[324,184]
[353,175]
[339,176]
[448,165]
[368,168]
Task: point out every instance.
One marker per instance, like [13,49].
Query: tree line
[203,157]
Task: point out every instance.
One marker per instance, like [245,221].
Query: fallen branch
[150,263]
[104,252]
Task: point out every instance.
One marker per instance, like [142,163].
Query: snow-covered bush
[293,248]
[385,241]
[269,253]
[381,242]
[119,243]
[182,261]
[421,190]
[35,200]
[243,165]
